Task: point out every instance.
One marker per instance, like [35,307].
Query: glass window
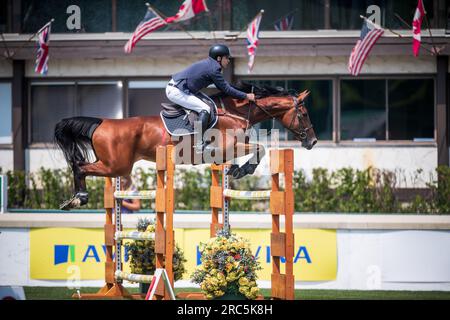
[100,100]
[411,109]
[319,104]
[145,97]
[95,16]
[130,13]
[5,111]
[363,109]
[307,14]
[50,104]
[4,8]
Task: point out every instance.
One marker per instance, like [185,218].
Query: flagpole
[246,26]
[295,10]
[391,31]
[9,56]
[176,25]
[211,26]
[429,30]
[29,39]
[410,27]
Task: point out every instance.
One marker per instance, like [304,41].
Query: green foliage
[344,190]
[142,253]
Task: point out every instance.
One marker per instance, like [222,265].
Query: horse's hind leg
[80,197]
[80,171]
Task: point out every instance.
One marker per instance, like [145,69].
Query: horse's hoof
[70,204]
[232,170]
[78,200]
[239,173]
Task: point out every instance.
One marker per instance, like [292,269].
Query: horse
[118,143]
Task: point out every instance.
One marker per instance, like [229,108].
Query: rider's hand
[251,96]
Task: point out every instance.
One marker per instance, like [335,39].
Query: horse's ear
[302,96]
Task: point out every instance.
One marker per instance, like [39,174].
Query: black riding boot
[203,117]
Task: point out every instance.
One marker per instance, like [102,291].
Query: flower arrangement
[228,267]
[142,253]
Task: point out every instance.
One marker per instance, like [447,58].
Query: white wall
[112,67]
[336,65]
[6,69]
[165,67]
[6,159]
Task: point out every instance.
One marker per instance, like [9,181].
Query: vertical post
[276,270]
[216,198]
[225,201]
[19,114]
[282,243]
[442,111]
[289,221]
[118,220]
[160,208]
[170,170]
[3,193]
[109,228]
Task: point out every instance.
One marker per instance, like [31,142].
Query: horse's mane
[260,92]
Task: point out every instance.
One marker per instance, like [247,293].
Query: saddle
[179,121]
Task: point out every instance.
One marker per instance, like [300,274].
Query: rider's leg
[193,103]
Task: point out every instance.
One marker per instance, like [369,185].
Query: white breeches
[185,100]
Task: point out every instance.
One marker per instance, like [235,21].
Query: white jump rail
[144,194]
[140,278]
[134,235]
[247,195]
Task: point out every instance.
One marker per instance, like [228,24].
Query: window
[5,111]
[130,13]
[145,97]
[51,102]
[100,99]
[5,8]
[319,105]
[411,109]
[363,110]
[404,106]
[95,16]
[307,14]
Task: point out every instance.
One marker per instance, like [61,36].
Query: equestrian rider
[184,86]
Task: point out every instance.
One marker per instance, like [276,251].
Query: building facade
[394,115]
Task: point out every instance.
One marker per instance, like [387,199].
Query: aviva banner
[56,252]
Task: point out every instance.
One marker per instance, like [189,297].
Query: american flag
[42,52]
[362,48]
[285,23]
[253,40]
[417,26]
[188,10]
[151,22]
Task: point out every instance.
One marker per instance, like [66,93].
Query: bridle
[300,133]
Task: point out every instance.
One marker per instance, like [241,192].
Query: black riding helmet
[219,50]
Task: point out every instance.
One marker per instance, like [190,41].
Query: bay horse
[119,143]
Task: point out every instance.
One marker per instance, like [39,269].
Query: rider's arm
[223,85]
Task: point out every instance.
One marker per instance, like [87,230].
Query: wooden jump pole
[164,234]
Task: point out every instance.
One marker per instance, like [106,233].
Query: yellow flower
[243,290]
[243,281]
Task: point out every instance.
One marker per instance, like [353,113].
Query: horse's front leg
[257,151]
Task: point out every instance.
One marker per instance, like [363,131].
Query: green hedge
[344,190]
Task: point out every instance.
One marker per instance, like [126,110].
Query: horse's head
[297,120]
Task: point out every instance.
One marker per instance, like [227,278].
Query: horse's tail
[74,137]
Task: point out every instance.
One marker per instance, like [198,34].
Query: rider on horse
[184,85]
